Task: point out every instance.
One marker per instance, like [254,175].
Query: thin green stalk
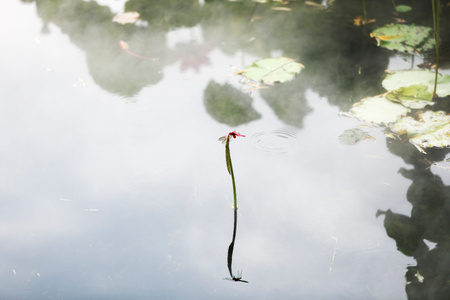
[436,12]
[395,6]
[230,170]
[364,11]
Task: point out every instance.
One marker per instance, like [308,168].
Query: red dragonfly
[233,134]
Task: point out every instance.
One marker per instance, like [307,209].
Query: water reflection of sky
[111,198]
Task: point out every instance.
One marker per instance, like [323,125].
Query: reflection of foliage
[192,55]
[342,62]
[405,232]
[232,26]
[166,14]
[288,101]
[430,220]
[124,75]
[228,105]
[91,28]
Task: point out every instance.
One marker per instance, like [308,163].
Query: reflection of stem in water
[250,17]
[395,6]
[231,247]
[334,254]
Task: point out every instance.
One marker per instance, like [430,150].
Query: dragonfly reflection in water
[239,278]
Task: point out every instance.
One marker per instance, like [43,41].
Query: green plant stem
[395,6]
[364,11]
[230,170]
[436,12]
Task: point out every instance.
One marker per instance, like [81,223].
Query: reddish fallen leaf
[126,18]
[126,48]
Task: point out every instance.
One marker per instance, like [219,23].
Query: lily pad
[271,70]
[378,110]
[433,130]
[443,86]
[352,136]
[415,96]
[404,38]
[403,8]
[403,79]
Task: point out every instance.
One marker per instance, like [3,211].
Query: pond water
[114,184]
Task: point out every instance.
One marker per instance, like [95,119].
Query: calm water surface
[113,184]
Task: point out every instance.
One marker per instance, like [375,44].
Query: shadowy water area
[114,185]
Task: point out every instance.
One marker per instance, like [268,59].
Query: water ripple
[275,142]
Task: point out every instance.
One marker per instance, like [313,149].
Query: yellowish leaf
[314,4]
[386,37]
[126,18]
[358,21]
[280,8]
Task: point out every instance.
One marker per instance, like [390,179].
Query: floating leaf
[358,21]
[433,130]
[314,4]
[403,8]
[281,8]
[415,96]
[378,110]
[352,136]
[271,70]
[126,18]
[403,79]
[404,38]
[443,86]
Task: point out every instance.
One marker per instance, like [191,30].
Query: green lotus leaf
[443,86]
[378,110]
[403,8]
[271,70]
[433,130]
[352,136]
[415,96]
[402,79]
[404,38]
